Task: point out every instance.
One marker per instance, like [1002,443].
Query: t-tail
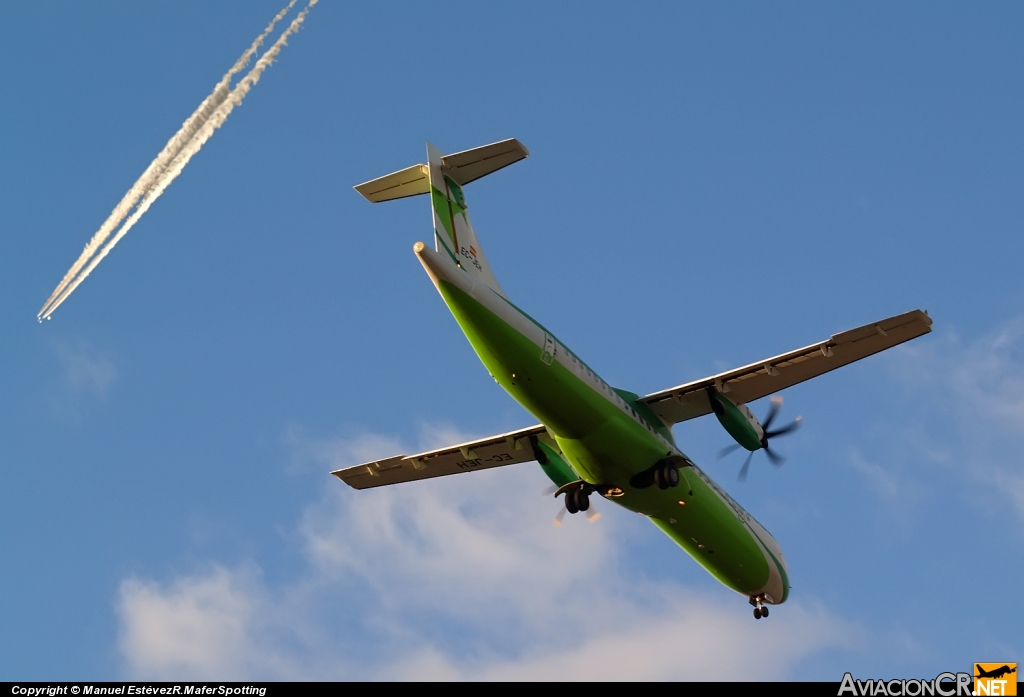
[443,178]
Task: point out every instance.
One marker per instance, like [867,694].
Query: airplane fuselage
[607,437]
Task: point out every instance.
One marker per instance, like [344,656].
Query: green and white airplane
[594,438]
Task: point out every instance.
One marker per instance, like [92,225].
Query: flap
[766,377]
[496,451]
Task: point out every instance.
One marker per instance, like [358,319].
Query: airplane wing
[779,372]
[497,451]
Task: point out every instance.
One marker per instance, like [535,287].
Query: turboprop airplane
[593,438]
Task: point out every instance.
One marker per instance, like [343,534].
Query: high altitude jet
[593,438]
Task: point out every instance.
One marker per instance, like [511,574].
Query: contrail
[156,168]
[194,132]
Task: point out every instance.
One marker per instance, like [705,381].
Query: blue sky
[708,185]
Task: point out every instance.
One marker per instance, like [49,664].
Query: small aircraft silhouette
[996,673]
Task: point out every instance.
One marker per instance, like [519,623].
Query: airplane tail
[443,178]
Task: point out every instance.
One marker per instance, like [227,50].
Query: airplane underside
[594,439]
[610,453]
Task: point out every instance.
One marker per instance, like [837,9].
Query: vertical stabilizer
[453,234]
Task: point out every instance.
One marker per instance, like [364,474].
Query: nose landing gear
[760,610]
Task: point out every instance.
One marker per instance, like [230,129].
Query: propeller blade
[745,468]
[548,490]
[785,429]
[772,411]
[776,459]
[727,450]
[557,522]
[592,516]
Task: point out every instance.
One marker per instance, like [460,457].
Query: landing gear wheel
[659,477]
[582,499]
[757,613]
[570,502]
[666,475]
[671,475]
[764,611]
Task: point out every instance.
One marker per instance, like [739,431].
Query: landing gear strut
[759,608]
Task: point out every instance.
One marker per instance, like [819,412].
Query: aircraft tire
[672,475]
[757,613]
[659,477]
[582,500]
[570,502]
[764,612]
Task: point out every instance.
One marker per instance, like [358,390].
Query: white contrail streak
[196,130]
[159,165]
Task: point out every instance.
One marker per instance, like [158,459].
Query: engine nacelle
[737,420]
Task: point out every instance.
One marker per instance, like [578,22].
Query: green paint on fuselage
[606,446]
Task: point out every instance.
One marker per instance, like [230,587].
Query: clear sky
[709,184]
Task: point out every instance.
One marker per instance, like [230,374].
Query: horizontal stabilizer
[463,167]
[469,165]
[485,453]
[411,181]
[766,377]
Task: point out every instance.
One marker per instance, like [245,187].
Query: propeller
[773,456]
[773,411]
[592,516]
[745,468]
[727,450]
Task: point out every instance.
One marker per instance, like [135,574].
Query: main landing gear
[759,608]
[577,498]
[666,475]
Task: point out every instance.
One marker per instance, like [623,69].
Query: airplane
[996,673]
[594,438]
